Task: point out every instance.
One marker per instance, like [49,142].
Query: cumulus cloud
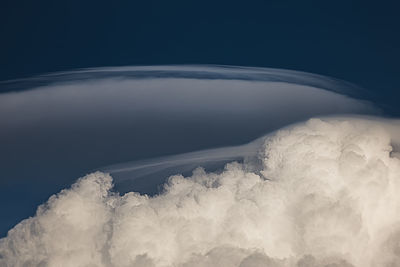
[326,195]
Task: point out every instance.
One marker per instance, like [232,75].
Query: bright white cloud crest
[327,195]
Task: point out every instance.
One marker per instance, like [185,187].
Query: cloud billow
[326,194]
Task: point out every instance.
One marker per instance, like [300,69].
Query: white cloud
[327,196]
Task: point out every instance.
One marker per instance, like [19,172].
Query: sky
[141,90]
[352,40]
[356,41]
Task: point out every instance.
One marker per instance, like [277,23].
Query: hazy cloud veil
[321,192]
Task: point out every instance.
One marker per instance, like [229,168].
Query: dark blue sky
[353,40]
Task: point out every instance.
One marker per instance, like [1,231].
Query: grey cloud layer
[143,112]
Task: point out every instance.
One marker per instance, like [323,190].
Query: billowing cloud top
[326,194]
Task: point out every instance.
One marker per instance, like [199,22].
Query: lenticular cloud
[327,194]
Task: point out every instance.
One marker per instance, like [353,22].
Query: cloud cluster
[326,195]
